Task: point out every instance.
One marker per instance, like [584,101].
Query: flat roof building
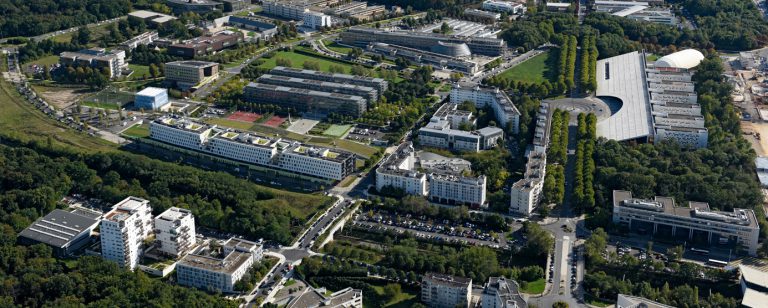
[454,46]
[151,98]
[316,298]
[305,101]
[152,19]
[629,301]
[754,286]
[196,6]
[738,227]
[623,77]
[207,44]
[100,58]
[501,292]
[123,231]
[145,38]
[379,84]
[190,74]
[438,290]
[264,29]
[64,231]
[218,268]
[761,164]
[371,95]
[503,6]
[481,16]
[175,231]
[504,110]
[525,194]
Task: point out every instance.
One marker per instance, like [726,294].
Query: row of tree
[557,151]
[30,18]
[566,64]
[588,63]
[584,173]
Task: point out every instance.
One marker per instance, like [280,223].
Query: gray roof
[635,301]
[625,75]
[58,228]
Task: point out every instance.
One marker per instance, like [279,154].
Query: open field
[241,116]
[534,287]
[337,130]
[275,121]
[49,60]
[61,97]
[535,70]
[139,71]
[138,131]
[101,105]
[407,298]
[20,119]
[336,47]
[297,60]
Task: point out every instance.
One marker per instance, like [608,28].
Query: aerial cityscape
[384,153]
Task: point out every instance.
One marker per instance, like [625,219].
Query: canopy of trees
[30,18]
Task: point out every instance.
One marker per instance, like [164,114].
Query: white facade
[123,231]
[526,193]
[503,6]
[739,226]
[218,270]
[462,190]
[286,10]
[316,20]
[505,111]
[440,291]
[243,147]
[175,231]
[180,132]
[312,161]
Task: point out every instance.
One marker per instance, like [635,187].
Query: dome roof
[688,58]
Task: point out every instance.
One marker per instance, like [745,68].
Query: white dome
[688,58]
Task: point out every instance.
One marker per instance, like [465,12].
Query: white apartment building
[180,132]
[505,111]
[98,58]
[443,131]
[123,231]
[399,171]
[525,194]
[662,215]
[145,38]
[284,9]
[316,20]
[175,231]
[501,292]
[450,188]
[218,268]
[250,148]
[503,6]
[438,290]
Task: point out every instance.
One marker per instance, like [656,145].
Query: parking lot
[365,135]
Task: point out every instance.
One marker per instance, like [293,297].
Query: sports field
[275,121]
[248,117]
[337,130]
[534,70]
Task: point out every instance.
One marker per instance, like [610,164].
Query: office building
[438,290]
[503,6]
[285,9]
[98,58]
[316,298]
[686,137]
[454,46]
[315,20]
[481,16]
[234,5]
[175,231]
[629,301]
[558,6]
[439,178]
[123,231]
[661,215]
[501,292]
[64,231]
[264,29]
[761,166]
[377,83]
[190,74]
[152,19]
[194,6]
[507,115]
[366,13]
[306,101]
[437,61]
[218,268]
[444,131]
[151,98]
[205,45]
[250,148]
[371,95]
[754,286]
[526,193]
[145,38]
[636,10]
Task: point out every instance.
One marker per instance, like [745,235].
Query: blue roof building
[151,98]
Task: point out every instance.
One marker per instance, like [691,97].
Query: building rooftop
[241,245]
[192,63]
[207,40]
[622,77]
[247,138]
[124,209]
[698,210]
[754,276]
[635,301]
[313,298]
[174,213]
[151,91]
[262,25]
[278,69]
[305,91]
[220,260]
[448,280]
[58,228]
[183,124]
[762,170]
[507,290]
[147,14]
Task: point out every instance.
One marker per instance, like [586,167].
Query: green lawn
[230,123]
[101,105]
[359,148]
[297,60]
[596,301]
[407,298]
[139,71]
[337,130]
[138,131]
[534,287]
[49,60]
[336,47]
[535,70]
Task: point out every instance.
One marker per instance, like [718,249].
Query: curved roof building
[452,49]
[688,58]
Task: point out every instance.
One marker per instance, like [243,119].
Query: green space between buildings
[534,70]
[298,59]
[336,47]
[137,131]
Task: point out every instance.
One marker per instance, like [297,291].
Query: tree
[283,62]
[83,35]
[392,290]
[311,65]
[560,304]
[445,28]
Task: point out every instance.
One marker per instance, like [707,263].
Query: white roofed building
[688,58]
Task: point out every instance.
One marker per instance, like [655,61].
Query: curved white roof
[687,58]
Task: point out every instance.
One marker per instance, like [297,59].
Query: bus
[700,251]
[717,263]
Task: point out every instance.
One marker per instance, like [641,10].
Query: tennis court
[275,121]
[241,116]
[337,130]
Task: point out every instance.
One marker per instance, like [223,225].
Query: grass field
[535,70]
[534,287]
[230,123]
[595,301]
[97,32]
[138,131]
[336,47]
[21,120]
[407,298]
[139,71]
[337,130]
[49,60]
[101,105]
[297,60]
